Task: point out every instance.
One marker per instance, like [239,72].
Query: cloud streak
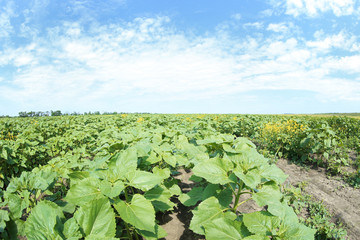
[313,8]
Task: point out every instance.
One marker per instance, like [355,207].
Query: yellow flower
[140,119]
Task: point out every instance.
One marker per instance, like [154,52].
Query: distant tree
[22,114]
[56,113]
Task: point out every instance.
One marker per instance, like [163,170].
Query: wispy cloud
[314,8]
[6,12]
[149,58]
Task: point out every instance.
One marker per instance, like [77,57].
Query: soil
[177,223]
[342,201]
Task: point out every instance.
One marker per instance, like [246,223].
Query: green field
[109,176]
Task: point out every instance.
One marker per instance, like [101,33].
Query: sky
[180,56]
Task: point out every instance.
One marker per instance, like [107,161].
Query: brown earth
[342,201]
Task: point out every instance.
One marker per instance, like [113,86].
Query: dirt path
[342,201]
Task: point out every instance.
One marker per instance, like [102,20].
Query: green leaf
[192,197]
[213,170]
[84,191]
[17,203]
[4,154]
[123,162]
[139,213]
[284,212]
[77,176]
[261,223]
[175,189]
[251,179]
[164,173]
[111,190]
[169,158]
[206,212]
[229,149]
[222,228]
[44,221]
[247,159]
[300,232]
[256,237]
[224,196]
[96,218]
[269,194]
[143,180]
[72,230]
[116,146]
[4,217]
[272,172]
[210,190]
[160,198]
[159,233]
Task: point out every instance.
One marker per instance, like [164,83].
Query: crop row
[106,178]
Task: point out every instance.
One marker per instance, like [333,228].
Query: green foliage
[106,177]
[319,217]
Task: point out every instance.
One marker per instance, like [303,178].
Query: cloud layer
[78,65]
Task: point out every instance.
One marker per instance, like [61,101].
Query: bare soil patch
[343,201]
[177,222]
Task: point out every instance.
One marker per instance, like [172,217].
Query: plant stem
[233,191]
[136,235]
[126,195]
[237,197]
[128,230]
[242,203]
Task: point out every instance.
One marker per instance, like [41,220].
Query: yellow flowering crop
[140,119]
[290,128]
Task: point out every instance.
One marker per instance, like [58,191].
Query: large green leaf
[160,198]
[158,234]
[72,230]
[214,170]
[123,162]
[169,158]
[44,222]
[272,172]
[269,194]
[164,173]
[111,190]
[222,228]
[139,213]
[143,180]
[84,191]
[192,197]
[300,232]
[261,223]
[206,212]
[247,159]
[251,179]
[4,217]
[17,203]
[96,218]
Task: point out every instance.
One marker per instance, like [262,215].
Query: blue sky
[187,56]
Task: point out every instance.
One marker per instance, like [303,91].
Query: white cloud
[148,59]
[5,15]
[256,25]
[236,16]
[283,27]
[325,43]
[313,8]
